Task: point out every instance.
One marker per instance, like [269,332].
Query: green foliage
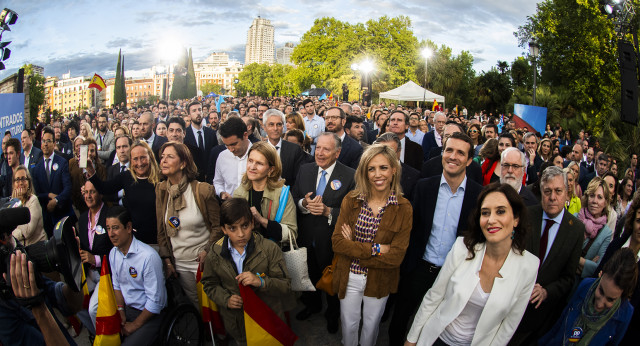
[492,91]
[36,92]
[210,87]
[119,92]
[151,100]
[180,71]
[192,90]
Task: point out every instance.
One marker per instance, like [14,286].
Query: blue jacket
[610,334]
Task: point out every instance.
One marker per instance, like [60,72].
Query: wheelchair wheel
[183,327]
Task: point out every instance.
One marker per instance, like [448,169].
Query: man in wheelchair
[138,281]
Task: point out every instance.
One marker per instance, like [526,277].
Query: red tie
[544,240]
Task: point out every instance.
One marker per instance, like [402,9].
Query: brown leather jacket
[208,205]
[384,270]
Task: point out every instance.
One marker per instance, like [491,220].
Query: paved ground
[312,332]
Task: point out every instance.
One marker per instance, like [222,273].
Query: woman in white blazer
[486,281]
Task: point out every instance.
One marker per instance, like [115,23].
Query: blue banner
[532,117]
[12,114]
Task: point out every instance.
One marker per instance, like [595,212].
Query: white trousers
[372,310]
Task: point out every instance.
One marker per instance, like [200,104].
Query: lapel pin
[336,184]
[55,166]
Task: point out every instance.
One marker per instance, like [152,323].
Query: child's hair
[234,210]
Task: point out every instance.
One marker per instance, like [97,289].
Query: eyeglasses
[21,179]
[47,141]
[514,166]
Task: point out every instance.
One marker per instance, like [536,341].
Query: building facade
[260,46]
[217,68]
[283,54]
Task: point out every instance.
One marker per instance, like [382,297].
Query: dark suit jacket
[584,180]
[101,242]
[532,170]
[158,141]
[433,167]
[213,158]
[588,168]
[556,274]
[428,142]
[59,184]
[372,135]
[34,157]
[292,157]
[528,197]
[424,205]
[201,157]
[315,231]
[408,180]
[412,154]
[435,151]
[350,153]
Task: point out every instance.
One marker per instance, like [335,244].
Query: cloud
[125,43]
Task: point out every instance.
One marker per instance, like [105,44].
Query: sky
[84,37]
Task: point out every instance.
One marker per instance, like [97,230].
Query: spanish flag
[331,96]
[97,82]
[108,319]
[262,326]
[435,105]
[209,309]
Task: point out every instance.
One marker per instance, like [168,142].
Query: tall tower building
[260,47]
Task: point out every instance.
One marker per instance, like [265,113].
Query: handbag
[326,281]
[296,261]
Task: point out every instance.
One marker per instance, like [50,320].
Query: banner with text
[532,117]
[12,114]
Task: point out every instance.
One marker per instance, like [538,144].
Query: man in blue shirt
[436,224]
[138,280]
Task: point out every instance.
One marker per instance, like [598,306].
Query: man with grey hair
[433,139]
[318,192]
[291,155]
[409,176]
[512,163]
[556,238]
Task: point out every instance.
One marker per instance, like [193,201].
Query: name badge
[99,230]
[336,184]
[133,272]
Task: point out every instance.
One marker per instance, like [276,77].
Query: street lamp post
[426,53]
[534,51]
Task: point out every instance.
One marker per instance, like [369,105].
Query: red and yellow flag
[209,309]
[262,326]
[85,290]
[107,319]
[331,96]
[435,105]
[97,82]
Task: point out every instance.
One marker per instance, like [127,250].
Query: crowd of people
[456,228]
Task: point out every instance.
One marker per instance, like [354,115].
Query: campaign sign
[12,114]
[532,117]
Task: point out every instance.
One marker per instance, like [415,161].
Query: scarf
[488,167]
[175,203]
[590,320]
[591,224]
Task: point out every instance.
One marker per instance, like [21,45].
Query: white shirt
[26,158]
[461,330]
[553,231]
[438,138]
[195,134]
[403,141]
[151,139]
[329,171]
[229,171]
[277,146]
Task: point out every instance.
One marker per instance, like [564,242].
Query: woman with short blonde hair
[33,231]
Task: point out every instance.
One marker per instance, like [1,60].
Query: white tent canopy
[411,91]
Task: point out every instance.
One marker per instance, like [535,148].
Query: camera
[58,254]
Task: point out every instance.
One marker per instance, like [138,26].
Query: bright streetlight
[365,68]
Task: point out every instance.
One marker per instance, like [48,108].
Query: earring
[513,234]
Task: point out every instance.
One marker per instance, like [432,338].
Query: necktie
[47,168]
[200,140]
[544,240]
[123,168]
[322,184]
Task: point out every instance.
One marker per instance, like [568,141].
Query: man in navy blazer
[52,183]
[334,119]
[195,133]
[433,139]
[30,154]
[437,222]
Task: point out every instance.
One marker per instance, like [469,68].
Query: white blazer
[452,289]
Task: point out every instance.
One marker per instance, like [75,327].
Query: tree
[179,85]
[492,91]
[192,90]
[253,79]
[36,92]
[521,73]
[207,88]
[119,91]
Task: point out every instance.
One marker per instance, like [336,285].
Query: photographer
[25,314]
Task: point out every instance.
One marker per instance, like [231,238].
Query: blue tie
[322,184]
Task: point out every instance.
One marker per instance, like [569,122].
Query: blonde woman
[573,204]
[85,130]
[33,231]
[262,186]
[594,216]
[370,240]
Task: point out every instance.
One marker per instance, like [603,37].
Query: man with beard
[355,128]
[200,137]
[146,132]
[214,120]
[104,139]
[512,164]
[163,109]
[335,119]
